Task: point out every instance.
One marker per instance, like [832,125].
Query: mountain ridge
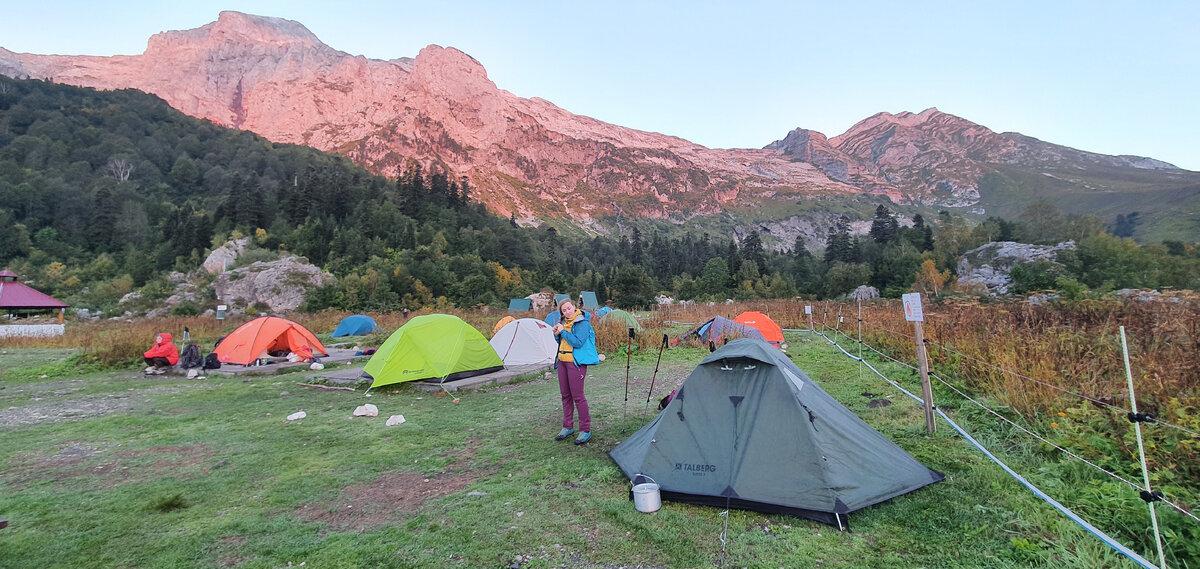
[531,159]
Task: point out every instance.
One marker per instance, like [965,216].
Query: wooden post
[926,388]
[913,312]
[62,312]
[860,328]
[808,312]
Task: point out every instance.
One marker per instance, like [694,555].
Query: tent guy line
[1103,537]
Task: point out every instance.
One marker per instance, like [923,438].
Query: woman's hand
[558,328]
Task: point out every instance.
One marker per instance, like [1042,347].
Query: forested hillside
[103,193]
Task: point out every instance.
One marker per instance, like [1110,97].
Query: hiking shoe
[148,370]
[583,438]
[563,434]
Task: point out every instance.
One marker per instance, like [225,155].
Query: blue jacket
[582,338]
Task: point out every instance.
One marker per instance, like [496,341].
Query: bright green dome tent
[433,346]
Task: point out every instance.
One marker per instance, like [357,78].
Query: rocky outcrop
[989,266]
[864,292]
[224,256]
[279,285]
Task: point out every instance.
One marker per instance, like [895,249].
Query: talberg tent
[501,323]
[433,346]
[770,330]
[356,325]
[524,342]
[255,338]
[749,430]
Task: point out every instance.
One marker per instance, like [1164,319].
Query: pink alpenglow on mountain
[526,157]
[532,159]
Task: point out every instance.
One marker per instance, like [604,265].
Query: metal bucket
[646,497]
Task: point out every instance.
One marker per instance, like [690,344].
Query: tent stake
[1149,495]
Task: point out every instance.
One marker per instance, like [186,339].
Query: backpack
[211,361]
[190,358]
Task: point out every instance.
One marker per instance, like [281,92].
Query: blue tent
[561,297]
[717,329]
[357,325]
[589,300]
[520,305]
[600,312]
[553,317]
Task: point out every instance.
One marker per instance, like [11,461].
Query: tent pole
[628,356]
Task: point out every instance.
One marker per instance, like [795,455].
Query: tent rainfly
[525,342]
[718,329]
[771,331]
[433,346]
[748,429]
[356,325]
[589,300]
[256,338]
[520,305]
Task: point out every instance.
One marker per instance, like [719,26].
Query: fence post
[860,328]
[913,312]
[1148,495]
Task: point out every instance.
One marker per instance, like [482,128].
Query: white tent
[525,342]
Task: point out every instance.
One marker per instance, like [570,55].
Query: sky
[1111,77]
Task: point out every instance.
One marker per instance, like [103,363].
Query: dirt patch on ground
[81,460]
[393,495]
[51,410]
[228,551]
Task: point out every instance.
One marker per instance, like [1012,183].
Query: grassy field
[166,472]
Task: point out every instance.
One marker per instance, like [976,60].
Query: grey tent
[748,429]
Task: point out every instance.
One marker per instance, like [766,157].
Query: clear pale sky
[1112,77]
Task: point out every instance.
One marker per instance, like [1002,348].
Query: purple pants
[570,384]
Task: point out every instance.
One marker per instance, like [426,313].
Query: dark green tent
[749,430]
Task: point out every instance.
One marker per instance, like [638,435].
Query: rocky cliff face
[529,157]
[524,156]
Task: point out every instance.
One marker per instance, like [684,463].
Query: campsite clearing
[210,474]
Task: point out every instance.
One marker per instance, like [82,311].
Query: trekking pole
[628,355]
[661,347]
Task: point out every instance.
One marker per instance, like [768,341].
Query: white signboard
[912,307]
[808,309]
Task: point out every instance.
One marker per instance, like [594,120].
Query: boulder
[395,420]
[541,301]
[990,265]
[663,299]
[297,416]
[223,257]
[280,285]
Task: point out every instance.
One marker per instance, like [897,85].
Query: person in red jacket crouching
[163,354]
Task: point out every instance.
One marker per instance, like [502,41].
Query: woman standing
[576,351]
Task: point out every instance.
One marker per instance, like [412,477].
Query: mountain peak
[238,27]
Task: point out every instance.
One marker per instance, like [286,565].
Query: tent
[561,297]
[254,339]
[527,341]
[520,305]
[356,325]
[433,346]
[748,429]
[600,312]
[553,317]
[770,330]
[589,300]
[719,329]
[500,324]
[626,319]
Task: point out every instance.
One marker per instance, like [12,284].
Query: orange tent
[255,338]
[770,330]
[502,323]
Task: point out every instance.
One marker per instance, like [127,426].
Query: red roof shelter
[15,294]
